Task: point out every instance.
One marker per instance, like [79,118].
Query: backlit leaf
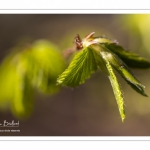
[121,67]
[45,64]
[37,66]
[80,69]
[131,59]
[115,85]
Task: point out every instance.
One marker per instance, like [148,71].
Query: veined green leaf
[131,59]
[80,69]
[126,74]
[115,85]
[120,66]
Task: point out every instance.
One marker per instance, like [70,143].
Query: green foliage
[116,88]
[37,66]
[121,67]
[105,54]
[80,69]
[22,97]
[131,59]
[44,65]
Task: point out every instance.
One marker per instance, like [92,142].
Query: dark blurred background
[90,109]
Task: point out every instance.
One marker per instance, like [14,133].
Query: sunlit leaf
[121,67]
[13,85]
[37,66]
[80,69]
[102,52]
[45,64]
[115,85]
[107,55]
[131,59]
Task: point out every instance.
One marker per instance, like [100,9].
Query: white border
[74,138]
[74,4]
[74,145]
[75,11]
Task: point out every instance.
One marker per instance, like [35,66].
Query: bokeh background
[90,109]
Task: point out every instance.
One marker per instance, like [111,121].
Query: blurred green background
[90,109]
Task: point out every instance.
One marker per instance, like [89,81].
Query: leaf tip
[145,95]
[122,114]
[123,118]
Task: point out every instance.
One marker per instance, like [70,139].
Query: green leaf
[131,59]
[121,67]
[36,66]
[44,65]
[101,52]
[16,89]
[116,87]
[126,74]
[22,100]
[80,69]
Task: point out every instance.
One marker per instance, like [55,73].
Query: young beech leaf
[121,67]
[45,64]
[131,59]
[36,66]
[16,89]
[126,73]
[107,55]
[22,99]
[80,69]
[115,85]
